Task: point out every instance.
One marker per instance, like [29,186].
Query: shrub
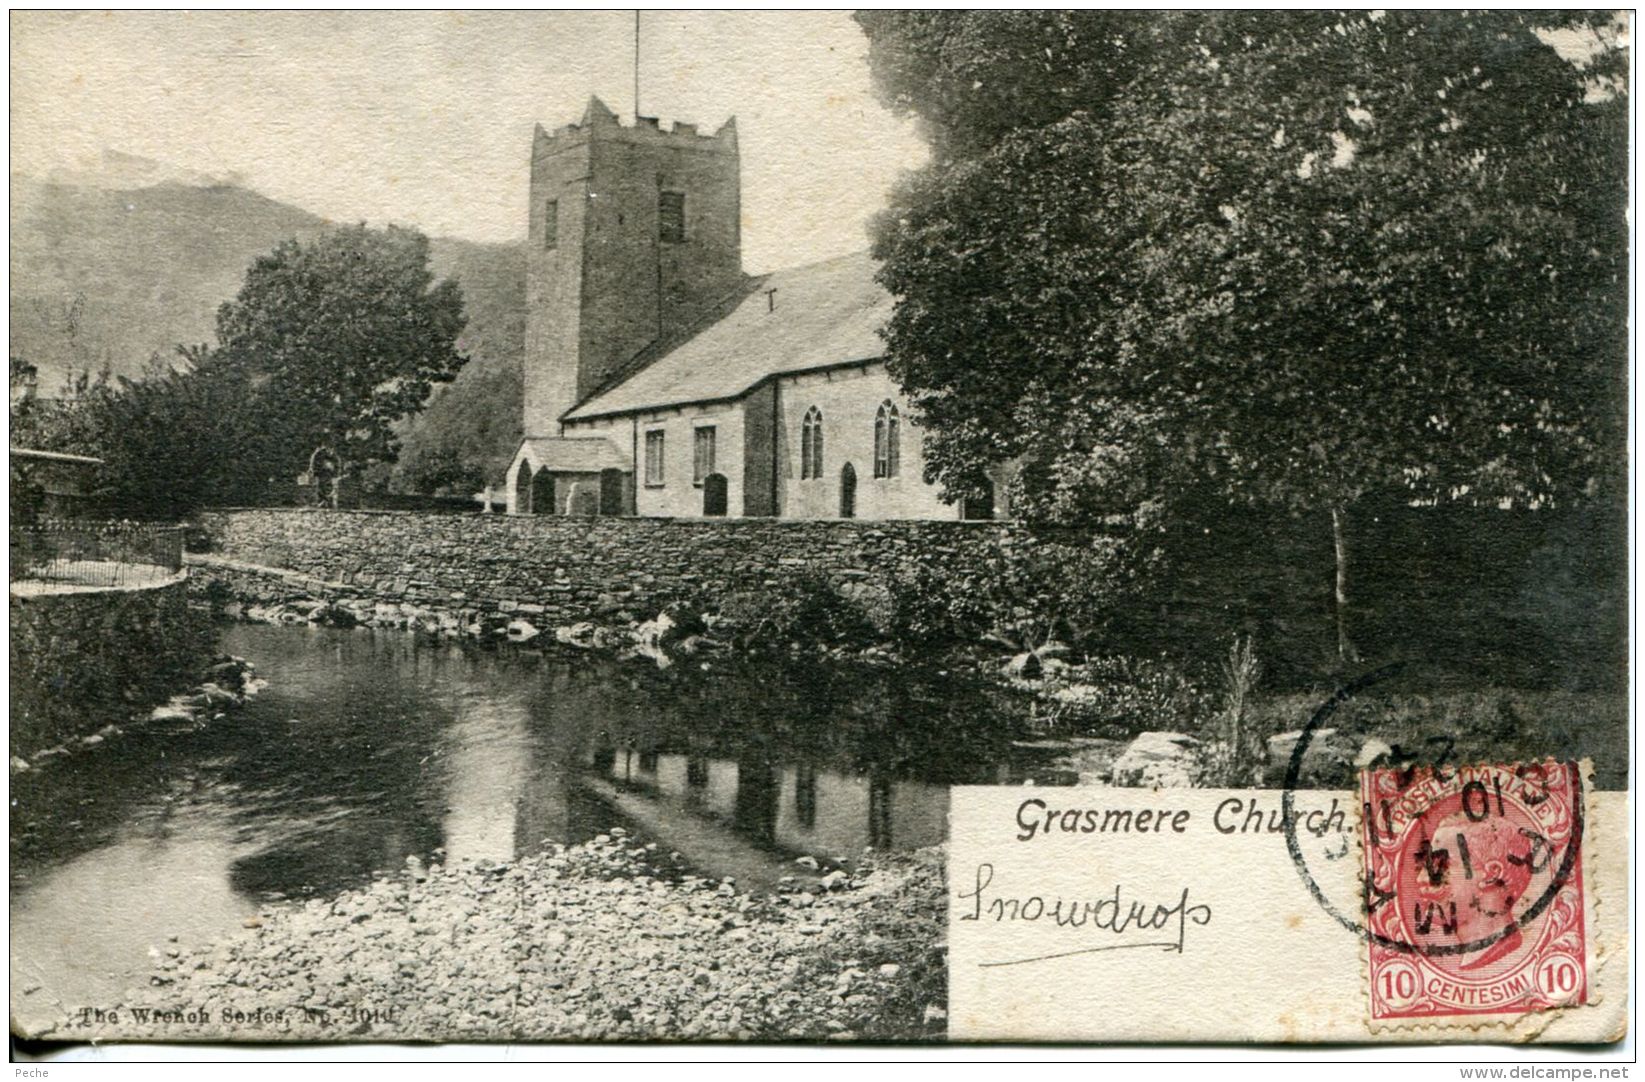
[1233,751]
[1126,695]
[803,610]
[928,612]
[1026,593]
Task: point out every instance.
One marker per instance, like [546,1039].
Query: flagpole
[636,65]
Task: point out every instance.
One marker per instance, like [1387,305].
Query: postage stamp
[1473,890]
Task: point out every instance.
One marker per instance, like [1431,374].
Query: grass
[1233,752]
[1460,725]
[1427,715]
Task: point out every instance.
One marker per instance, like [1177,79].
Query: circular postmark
[1499,814]
[1460,868]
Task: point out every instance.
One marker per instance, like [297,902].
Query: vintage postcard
[820,527]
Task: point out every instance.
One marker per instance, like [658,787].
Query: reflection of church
[789,807]
[661,380]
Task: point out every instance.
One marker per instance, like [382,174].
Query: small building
[567,467]
[662,380]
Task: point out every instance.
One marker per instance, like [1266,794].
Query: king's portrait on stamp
[815,527]
[1474,890]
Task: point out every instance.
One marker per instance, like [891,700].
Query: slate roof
[825,314]
[576,454]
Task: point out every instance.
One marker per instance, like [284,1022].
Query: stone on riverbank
[522,631]
[1327,761]
[656,633]
[231,681]
[1157,760]
[591,942]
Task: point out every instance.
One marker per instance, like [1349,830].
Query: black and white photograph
[818,528]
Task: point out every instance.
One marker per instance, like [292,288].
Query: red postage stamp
[1473,890]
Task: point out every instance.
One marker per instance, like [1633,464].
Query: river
[370,746]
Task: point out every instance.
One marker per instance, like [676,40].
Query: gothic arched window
[887,441]
[811,444]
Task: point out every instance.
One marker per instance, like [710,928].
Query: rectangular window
[671,217]
[702,458]
[551,224]
[654,458]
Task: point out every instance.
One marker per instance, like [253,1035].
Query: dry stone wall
[80,660]
[559,570]
[1525,598]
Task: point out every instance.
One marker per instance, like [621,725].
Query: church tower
[635,232]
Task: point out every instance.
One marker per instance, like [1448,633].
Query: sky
[425,118]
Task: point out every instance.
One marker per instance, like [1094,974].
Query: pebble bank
[607,940]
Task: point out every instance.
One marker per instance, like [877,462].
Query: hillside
[470,429]
[110,276]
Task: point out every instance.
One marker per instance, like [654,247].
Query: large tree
[325,347]
[338,339]
[1174,261]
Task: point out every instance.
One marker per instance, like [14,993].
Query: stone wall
[1516,598]
[558,570]
[80,661]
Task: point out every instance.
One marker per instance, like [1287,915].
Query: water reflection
[488,776]
[788,809]
[789,804]
[369,746]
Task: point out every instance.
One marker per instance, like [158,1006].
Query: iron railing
[95,553]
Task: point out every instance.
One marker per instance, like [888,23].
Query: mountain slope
[108,277]
[466,434]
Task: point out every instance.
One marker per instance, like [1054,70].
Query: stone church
[662,380]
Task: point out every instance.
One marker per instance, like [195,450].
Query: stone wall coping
[687,522]
[36,589]
[349,511]
[206,559]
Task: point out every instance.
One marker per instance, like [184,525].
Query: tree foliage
[339,338]
[464,441]
[178,436]
[1188,260]
[325,347]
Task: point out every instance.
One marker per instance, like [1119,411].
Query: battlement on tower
[633,231]
[599,122]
